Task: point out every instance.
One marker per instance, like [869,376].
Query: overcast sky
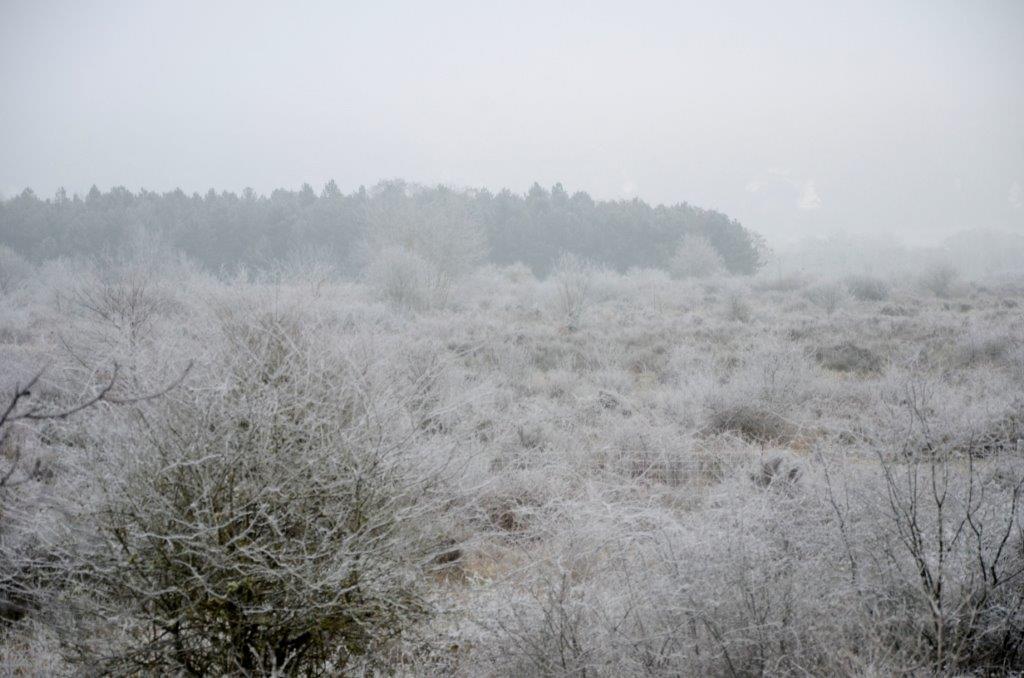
[794,117]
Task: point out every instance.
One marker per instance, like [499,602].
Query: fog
[796,118]
[567,340]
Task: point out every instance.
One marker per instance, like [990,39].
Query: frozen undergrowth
[595,474]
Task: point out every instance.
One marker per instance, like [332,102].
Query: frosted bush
[939,278]
[737,308]
[112,314]
[308,268]
[867,288]
[435,226]
[827,296]
[279,521]
[406,280]
[572,280]
[15,270]
[849,357]
[695,257]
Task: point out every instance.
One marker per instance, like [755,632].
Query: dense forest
[224,230]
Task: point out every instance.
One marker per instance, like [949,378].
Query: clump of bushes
[406,280]
[115,310]
[827,296]
[991,349]
[997,434]
[737,308]
[776,473]
[14,270]
[955,604]
[897,312]
[695,257]
[753,423]
[867,288]
[573,281]
[848,357]
[939,279]
[278,523]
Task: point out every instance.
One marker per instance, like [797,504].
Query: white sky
[888,117]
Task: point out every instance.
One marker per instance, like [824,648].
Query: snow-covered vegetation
[442,467]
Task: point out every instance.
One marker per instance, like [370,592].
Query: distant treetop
[226,229]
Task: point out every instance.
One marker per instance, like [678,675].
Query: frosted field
[591,475]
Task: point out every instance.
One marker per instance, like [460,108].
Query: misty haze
[549,339]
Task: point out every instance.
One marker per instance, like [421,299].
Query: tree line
[227,229]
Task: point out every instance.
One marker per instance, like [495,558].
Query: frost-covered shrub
[631,591]
[737,308]
[32,514]
[436,226]
[113,310]
[31,649]
[849,357]
[939,278]
[987,348]
[776,473]
[759,398]
[23,520]
[517,273]
[754,423]
[14,270]
[572,278]
[695,257]
[406,280]
[867,288]
[826,296]
[933,542]
[280,521]
[308,268]
[1001,432]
